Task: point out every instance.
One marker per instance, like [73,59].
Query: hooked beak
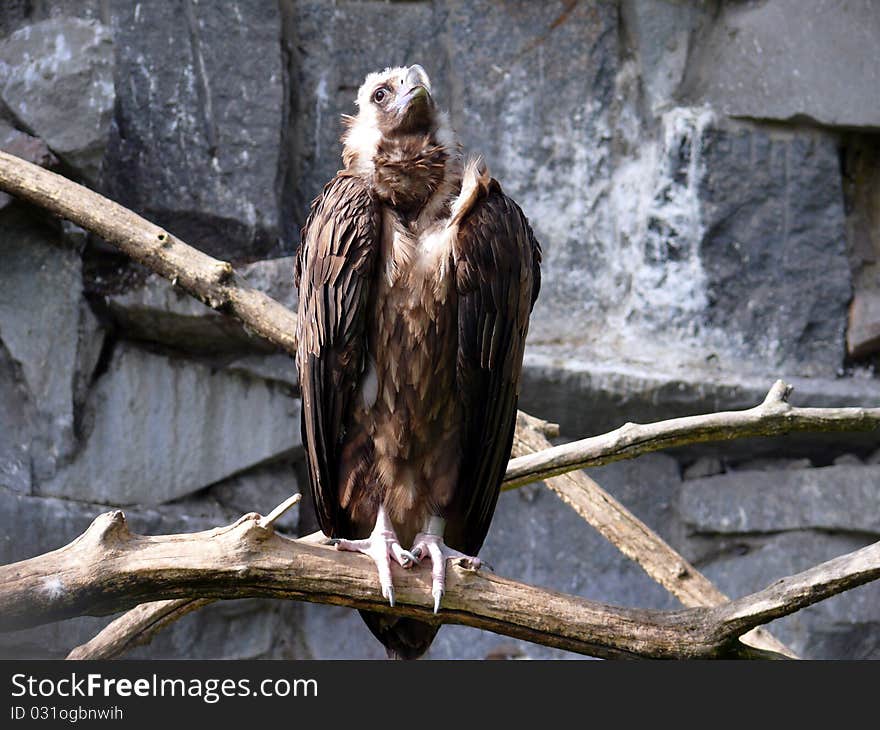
[413,103]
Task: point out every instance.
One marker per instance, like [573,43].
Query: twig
[270,519]
[108,569]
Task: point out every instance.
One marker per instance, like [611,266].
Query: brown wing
[333,272]
[497,277]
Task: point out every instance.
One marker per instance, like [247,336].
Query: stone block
[788,60]
[157,311]
[833,498]
[181,426]
[196,146]
[660,33]
[40,296]
[774,251]
[56,77]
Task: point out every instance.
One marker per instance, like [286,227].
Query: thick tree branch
[138,626]
[108,569]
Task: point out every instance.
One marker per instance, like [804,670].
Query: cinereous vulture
[416,277]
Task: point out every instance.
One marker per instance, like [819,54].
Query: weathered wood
[633,537]
[774,417]
[211,281]
[108,569]
[136,627]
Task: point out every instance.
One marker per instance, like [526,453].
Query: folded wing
[334,269]
[497,269]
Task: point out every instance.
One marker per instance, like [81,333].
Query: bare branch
[276,514]
[634,538]
[136,627]
[209,280]
[108,569]
[795,592]
[774,417]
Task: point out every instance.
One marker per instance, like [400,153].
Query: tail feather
[403,638]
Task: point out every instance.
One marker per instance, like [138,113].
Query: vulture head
[397,101]
[399,140]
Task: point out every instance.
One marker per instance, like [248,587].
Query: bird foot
[382,546]
[426,544]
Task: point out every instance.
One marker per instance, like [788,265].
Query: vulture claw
[470,563]
[475,564]
[440,552]
[382,546]
[404,557]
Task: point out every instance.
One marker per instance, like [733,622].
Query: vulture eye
[380,94]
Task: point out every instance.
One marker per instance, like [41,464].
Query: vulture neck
[416,176]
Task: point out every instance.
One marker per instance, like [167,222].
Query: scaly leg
[382,545]
[430,542]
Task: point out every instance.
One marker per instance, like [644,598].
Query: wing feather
[497,262]
[334,268]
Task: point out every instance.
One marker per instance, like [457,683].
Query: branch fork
[109,568]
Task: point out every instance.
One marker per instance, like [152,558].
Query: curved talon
[382,546]
[426,544]
[404,557]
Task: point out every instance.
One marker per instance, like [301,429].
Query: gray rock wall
[702,175]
